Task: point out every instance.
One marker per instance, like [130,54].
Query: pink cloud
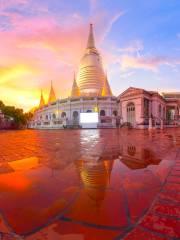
[35,50]
[9,3]
[134,47]
[150,63]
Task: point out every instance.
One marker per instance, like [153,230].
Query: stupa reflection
[95,178]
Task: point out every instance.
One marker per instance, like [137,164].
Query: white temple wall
[45,117]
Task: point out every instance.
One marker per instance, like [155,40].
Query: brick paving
[90,184]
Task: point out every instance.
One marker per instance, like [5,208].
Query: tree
[19,118]
[1,104]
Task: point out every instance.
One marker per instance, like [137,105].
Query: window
[102,113]
[146,107]
[131,113]
[159,110]
[75,114]
[63,114]
[115,113]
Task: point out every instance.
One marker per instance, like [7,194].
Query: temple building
[91,92]
[142,108]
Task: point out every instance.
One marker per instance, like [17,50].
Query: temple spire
[106,91]
[91,42]
[75,89]
[42,102]
[52,96]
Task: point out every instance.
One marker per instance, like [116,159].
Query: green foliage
[1,104]
[19,117]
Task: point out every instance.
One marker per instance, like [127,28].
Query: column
[142,107]
[150,123]
[162,125]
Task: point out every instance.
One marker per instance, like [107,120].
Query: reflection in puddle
[96,174]
[13,182]
[88,179]
[24,164]
[5,168]
[95,177]
[134,159]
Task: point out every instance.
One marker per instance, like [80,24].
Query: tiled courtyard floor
[106,184]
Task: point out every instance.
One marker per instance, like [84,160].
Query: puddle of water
[24,164]
[102,178]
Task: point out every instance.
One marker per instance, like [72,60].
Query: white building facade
[66,112]
[91,92]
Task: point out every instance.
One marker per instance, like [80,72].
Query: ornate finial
[42,102]
[75,89]
[52,96]
[91,42]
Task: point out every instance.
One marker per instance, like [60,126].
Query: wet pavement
[90,184]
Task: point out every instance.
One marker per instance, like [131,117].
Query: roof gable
[131,91]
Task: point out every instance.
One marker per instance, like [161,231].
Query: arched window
[146,108]
[115,113]
[102,113]
[46,117]
[131,113]
[54,116]
[63,114]
[170,113]
[75,114]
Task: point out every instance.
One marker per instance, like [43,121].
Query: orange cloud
[30,62]
[35,50]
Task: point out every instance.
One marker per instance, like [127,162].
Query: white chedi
[91,75]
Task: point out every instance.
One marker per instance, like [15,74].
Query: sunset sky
[43,40]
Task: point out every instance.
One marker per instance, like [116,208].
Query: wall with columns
[69,106]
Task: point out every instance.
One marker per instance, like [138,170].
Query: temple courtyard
[90,184]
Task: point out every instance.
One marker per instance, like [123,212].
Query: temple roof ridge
[42,101]
[75,92]
[52,96]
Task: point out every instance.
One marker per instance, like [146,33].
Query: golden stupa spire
[106,91]
[75,89]
[91,42]
[42,102]
[52,96]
